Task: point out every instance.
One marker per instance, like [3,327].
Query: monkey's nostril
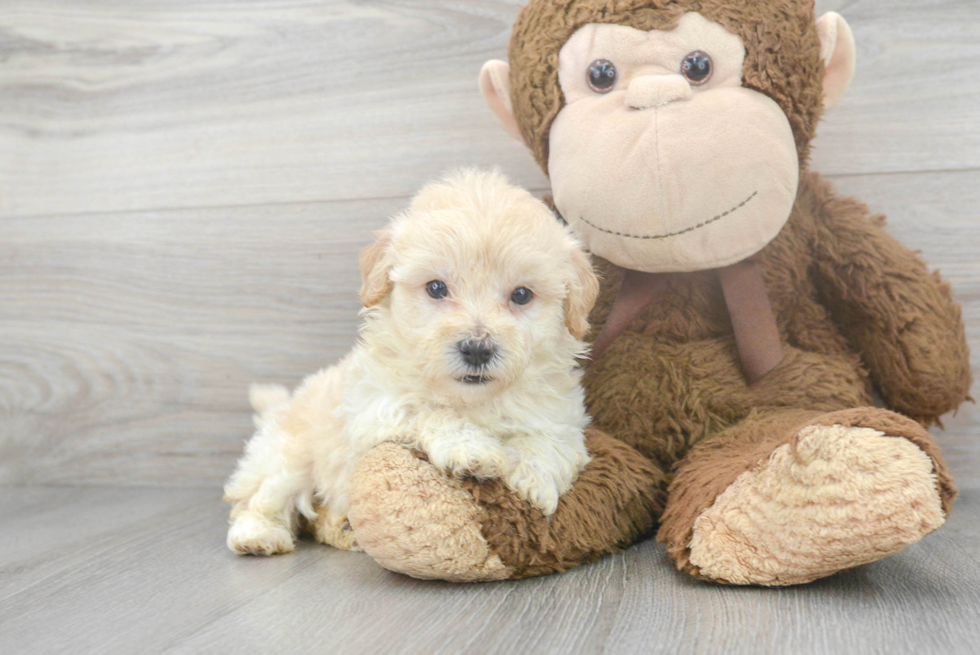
[476,353]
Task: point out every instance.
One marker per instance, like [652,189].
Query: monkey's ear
[837,52]
[582,293]
[375,261]
[495,87]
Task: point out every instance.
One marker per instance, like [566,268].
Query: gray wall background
[185,185]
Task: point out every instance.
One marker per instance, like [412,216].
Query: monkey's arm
[900,316]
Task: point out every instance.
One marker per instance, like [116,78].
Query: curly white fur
[521,420]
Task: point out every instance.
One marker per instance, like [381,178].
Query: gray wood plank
[160,579]
[906,110]
[46,529]
[110,106]
[128,340]
[125,587]
[963,527]
[138,334]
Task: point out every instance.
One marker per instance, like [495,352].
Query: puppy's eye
[437,289]
[602,76]
[697,67]
[521,296]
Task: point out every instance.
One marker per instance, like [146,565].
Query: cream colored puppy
[476,301]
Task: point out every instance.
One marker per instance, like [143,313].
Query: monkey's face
[660,159]
[673,139]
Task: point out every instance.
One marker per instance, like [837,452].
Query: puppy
[475,303]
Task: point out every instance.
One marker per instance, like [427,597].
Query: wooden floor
[184,186]
[138,570]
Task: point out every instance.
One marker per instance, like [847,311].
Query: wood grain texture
[112,106]
[146,570]
[184,187]
[135,335]
[907,109]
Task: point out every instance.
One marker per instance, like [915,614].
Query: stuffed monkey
[747,317]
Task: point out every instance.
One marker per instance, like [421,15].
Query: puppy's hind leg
[267,490]
[265,523]
[331,527]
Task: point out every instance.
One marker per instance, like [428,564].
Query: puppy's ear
[583,290]
[375,264]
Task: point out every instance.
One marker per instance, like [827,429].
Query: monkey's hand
[900,316]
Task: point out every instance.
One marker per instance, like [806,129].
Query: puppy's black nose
[476,353]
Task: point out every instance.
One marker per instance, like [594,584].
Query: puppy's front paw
[542,492]
[254,535]
[540,472]
[467,453]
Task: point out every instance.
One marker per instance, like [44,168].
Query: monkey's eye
[521,296]
[697,67]
[437,289]
[602,76]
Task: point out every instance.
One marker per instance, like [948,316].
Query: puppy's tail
[265,397]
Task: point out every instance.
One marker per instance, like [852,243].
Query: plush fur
[671,391]
[862,476]
[518,417]
[417,521]
[859,315]
[785,27]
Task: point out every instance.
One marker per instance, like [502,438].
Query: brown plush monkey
[747,315]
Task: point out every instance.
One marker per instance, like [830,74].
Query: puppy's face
[476,283]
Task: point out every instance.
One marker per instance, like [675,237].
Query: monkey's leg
[413,519]
[790,497]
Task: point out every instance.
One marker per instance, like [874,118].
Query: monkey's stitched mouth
[679,232]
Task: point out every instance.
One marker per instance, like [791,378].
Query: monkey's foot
[846,489]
